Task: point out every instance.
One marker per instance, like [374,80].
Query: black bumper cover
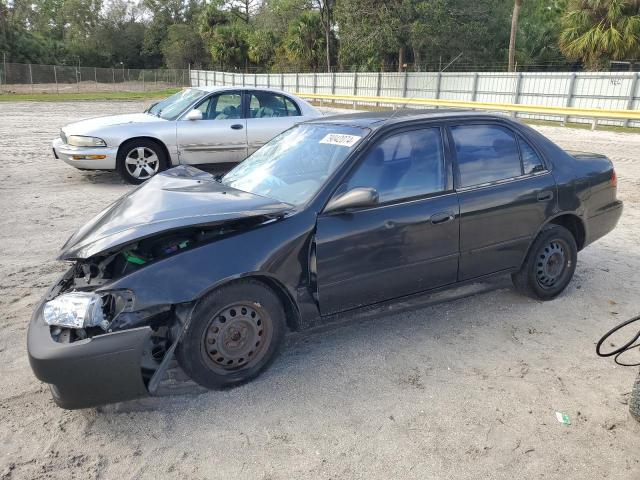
[91,372]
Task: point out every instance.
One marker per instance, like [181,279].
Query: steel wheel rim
[142,163]
[552,263]
[237,337]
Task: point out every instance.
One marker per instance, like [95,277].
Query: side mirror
[194,115]
[354,198]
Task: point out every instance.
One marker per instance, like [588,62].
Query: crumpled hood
[93,124]
[181,197]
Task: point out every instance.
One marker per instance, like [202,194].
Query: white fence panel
[609,90]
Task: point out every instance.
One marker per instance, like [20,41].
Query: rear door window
[267,105]
[485,153]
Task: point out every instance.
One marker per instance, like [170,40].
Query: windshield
[293,166]
[171,108]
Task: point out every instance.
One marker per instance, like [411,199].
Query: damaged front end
[90,338]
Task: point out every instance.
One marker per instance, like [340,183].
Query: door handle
[545,196]
[237,126]
[442,217]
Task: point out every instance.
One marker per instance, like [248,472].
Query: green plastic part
[131,258]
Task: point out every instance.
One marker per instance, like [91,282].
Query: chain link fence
[32,78]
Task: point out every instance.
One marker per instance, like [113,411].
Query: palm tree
[514,32]
[305,41]
[596,31]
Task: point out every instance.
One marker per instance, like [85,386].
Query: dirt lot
[465,389]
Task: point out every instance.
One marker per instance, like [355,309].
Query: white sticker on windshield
[341,139]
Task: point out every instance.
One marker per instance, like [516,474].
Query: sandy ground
[465,389]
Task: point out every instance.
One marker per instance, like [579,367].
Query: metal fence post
[438,82]
[570,92]
[297,84]
[355,87]
[155,79]
[333,83]
[281,81]
[516,92]
[143,88]
[378,86]
[474,91]
[404,85]
[31,77]
[55,78]
[315,81]
[632,94]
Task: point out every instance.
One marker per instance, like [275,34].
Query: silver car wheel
[142,163]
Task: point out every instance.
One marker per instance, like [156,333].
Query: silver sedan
[203,125]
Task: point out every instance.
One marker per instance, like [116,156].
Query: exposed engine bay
[118,307]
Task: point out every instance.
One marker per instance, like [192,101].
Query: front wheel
[549,265]
[139,160]
[235,332]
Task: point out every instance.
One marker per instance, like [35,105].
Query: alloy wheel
[142,163]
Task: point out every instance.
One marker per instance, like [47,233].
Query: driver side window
[405,165]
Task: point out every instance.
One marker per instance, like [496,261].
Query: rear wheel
[235,333]
[549,265]
[140,159]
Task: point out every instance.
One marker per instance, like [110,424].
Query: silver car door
[269,114]
[221,135]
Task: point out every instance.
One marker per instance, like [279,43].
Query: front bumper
[91,372]
[66,153]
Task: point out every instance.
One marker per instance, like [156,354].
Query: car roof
[378,119]
[238,87]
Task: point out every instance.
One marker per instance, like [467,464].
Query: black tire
[149,148]
[219,354]
[549,265]
[634,401]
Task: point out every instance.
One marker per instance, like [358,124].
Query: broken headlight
[74,310]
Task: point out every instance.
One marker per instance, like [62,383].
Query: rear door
[269,114]
[221,135]
[505,194]
[408,242]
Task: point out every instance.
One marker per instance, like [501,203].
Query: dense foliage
[306,35]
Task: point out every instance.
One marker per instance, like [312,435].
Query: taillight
[614,178]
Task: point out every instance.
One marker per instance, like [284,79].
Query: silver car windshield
[171,108]
[293,166]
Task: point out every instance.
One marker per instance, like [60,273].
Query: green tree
[228,46]
[262,46]
[539,32]
[182,47]
[304,43]
[597,31]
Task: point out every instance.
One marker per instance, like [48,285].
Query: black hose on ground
[630,345]
[634,400]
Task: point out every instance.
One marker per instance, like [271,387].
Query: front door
[505,193]
[221,135]
[407,243]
